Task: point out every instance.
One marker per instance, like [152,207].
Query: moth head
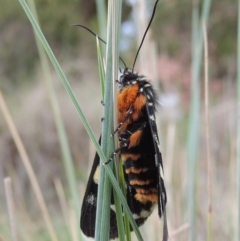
[128,77]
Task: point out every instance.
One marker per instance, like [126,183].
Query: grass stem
[209,162]
[238,123]
[11,207]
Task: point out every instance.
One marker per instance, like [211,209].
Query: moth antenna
[89,30]
[149,24]
[103,41]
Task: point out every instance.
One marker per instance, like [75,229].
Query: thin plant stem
[193,124]
[73,223]
[11,207]
[104,187]
[116,19]
[179,230]
[63,202]
[209,163]
[61,132]
[238,125]
[193,132]
[101,15]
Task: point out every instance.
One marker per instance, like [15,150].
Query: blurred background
[167,59]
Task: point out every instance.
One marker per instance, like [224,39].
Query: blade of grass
[117,11]
[209,164]
[193,134]
[11,208]
[63,202]
[100,68]
[101,15]
[80,112]
[73,223]
[62,136]
[193,124]
[238,123]
[100,212]
[179,230]
[104,186]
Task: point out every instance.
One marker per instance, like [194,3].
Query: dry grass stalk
[11,209]
[28,166]
[73,224]
[179,230]
[209,165]
[63,201]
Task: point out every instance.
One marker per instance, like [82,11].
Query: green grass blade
[101,193]
[122,184]
[101,15]
[63,140]
[193,125]
[238,123]
[104,187]
[100,68]
[193,135]
[116,20]
[59,72]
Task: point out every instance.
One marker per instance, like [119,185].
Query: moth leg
[124,140]
[115,153]
[129,113]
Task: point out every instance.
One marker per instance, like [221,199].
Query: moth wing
[88,211]
[162,197]
[89,204]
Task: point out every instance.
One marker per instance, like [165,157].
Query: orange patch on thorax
[128,98]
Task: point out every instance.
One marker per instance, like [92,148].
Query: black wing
[162,196]
[88,211]
[89,204]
